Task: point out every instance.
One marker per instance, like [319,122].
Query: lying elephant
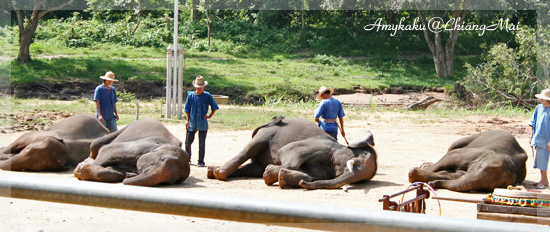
[143,153]
[59,147]
[484,161]
[295,152]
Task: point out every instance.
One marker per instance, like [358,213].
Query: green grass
[273,76]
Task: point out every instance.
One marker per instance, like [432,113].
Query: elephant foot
[84,171]
[210,172]
[271,174]
[287,179]
[415,176]
[219,174]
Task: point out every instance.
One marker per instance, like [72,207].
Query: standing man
[329,109]
[540,136]
[196,108]
[105,102]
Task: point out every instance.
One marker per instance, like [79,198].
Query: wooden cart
[516,205]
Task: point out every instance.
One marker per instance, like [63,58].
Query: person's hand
[207,116]
[548,146]
[187,125]
[343,133]
[317,119]
[117,117]
[100,118]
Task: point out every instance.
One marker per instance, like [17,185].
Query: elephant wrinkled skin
[297,153]
[481,162]
[143,153]
[59,147]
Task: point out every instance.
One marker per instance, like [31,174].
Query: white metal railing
[290,214]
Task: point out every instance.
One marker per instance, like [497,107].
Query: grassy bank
[277,76]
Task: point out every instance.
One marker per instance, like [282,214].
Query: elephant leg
[251,169]
[424,175]
[27,162]
[271,174]
[254,148]
[486,175]
[87,170]
[294,154]
[292,178]
[100,142]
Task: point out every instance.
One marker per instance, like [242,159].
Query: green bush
[506,76]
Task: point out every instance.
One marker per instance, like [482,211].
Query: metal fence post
[168,80]
[180,81]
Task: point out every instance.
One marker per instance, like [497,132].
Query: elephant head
[167,164]
[356,162]
[48,153]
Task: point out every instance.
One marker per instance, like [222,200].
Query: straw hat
[323,89]
[199,82]
[545,94]
[110,76]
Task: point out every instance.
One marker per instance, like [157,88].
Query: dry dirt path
[402,141]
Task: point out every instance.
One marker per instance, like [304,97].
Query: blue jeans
[202,144]
[110,124]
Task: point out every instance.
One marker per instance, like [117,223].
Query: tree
[443,55]
[28,20]
[507,74]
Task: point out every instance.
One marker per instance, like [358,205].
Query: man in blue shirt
[196,108]
[105,102]
[540,136]
[329,109]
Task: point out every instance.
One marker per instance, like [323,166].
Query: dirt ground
[403,141]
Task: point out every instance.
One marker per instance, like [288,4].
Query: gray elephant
[59,147]
[481,162]
[297,153]
[143,153]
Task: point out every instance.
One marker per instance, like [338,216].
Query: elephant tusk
[345,187]
[350,164]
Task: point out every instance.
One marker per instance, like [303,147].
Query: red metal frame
[415,205]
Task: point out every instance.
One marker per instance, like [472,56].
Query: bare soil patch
[403,141]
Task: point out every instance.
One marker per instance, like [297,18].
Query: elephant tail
[275,121]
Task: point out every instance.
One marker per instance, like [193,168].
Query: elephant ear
[366,140]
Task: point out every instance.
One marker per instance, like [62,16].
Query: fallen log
[423,104]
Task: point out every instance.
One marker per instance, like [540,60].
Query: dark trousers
[202,143]
[333,134]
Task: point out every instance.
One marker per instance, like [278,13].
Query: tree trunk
[25,41]
[137,24]
[195,10]
[444,55]
[302,37]
[208,25]
[26,34]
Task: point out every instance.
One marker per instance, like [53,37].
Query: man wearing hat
[540,136]
[196,108]
[105,102]
[329,109]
